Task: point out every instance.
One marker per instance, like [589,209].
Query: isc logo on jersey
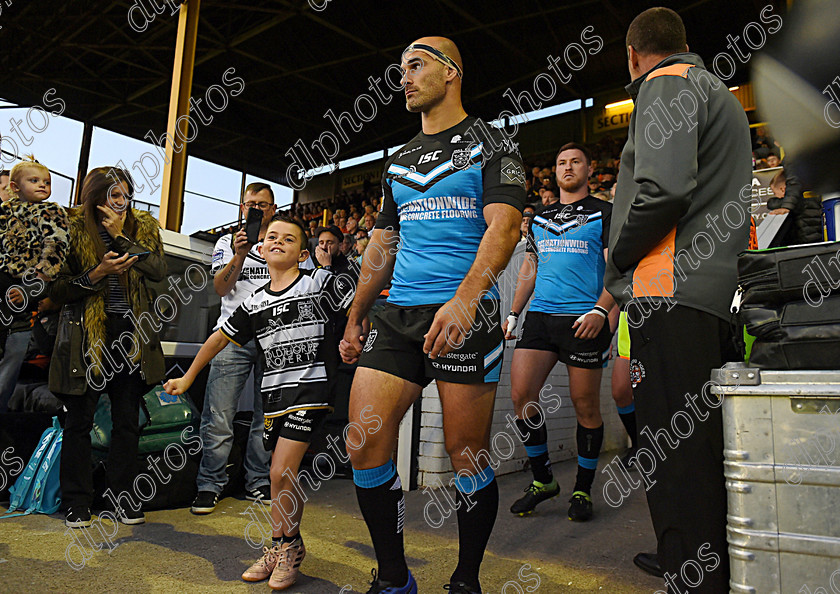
[429,157]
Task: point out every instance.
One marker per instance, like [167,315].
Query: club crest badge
[637,372]
[461,158]
[305,310]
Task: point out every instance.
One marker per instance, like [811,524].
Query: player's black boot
[535,494]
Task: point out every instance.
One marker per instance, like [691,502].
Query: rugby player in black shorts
[453,198]
[567,243]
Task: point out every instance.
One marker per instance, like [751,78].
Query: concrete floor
[178,552]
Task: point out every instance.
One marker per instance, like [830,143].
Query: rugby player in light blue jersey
[453,198]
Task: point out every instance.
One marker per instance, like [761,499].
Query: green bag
[162,419]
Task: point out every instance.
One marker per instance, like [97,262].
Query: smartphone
[253,224]
[141,255]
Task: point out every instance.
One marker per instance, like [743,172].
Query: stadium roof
[297,62]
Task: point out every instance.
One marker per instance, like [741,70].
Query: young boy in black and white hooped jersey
[292,319]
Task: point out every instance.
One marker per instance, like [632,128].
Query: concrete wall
[434,468]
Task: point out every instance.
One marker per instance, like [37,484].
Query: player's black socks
[478,502]
[627,414]
[589,445]
[380,496]
[536,446]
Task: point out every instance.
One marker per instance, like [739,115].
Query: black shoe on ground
[378,586]
[129,516]
[261,494]
[535,493]
[649,563]
[626,461]
[77,517]
[460,588]
[580,509]
[204,503]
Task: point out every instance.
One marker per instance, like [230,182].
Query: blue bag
[38,488]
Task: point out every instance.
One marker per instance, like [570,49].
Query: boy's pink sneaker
[288,565]
[264,566]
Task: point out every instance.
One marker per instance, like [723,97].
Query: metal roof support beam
[177,126]
[84,162]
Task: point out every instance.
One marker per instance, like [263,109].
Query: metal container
[782,465]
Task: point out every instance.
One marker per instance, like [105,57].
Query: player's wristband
[512,320]
[601,310]
[597,310]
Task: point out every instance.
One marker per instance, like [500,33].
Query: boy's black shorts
[545,332]
[395,346]
[298,425]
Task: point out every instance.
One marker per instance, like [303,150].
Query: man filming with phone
[238,270]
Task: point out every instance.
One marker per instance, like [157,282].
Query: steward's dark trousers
[672,354]
[124,390]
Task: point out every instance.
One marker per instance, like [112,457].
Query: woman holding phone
[108,339]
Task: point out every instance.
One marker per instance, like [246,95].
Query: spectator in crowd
[773,159]
[594,184]
[4,185]
[102,286]
[361,246]
[238,270]
[33,247]
[606,177]
[527,214]
[361,234]
[328,254]
[348,245]
[763,140]
[548,197]
[805,211]
[352,226]
[370,221]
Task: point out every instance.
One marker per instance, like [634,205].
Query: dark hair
[657,31]
[348,237]
[330,229]
[4,172]
[575,146]
[257,187]
[291,221]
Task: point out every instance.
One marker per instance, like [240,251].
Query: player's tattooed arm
[226,278]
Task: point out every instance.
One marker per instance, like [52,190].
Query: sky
[212,191]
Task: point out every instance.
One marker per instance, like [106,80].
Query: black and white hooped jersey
[294,331]
[435,189]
